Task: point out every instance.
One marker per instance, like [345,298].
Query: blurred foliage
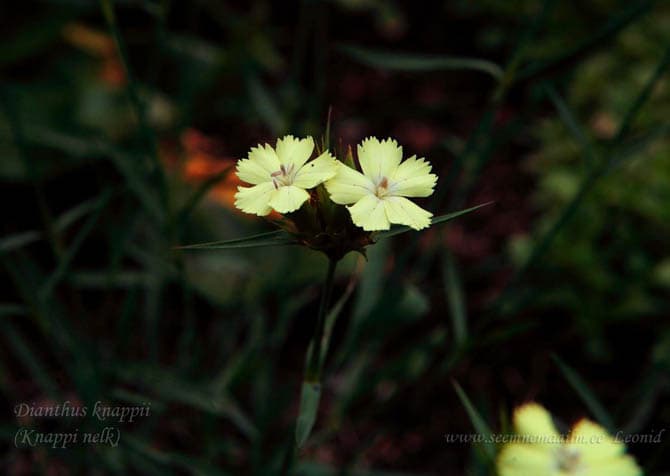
[608,262]
[120,123]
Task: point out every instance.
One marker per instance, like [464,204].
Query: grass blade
[21,239]
[419,63]
[172,388]
[478,422]
[619,152]
[18,240]
[436,220]
[571,123]
[310,396]
[585,47]
[271,238]
[332,316]
[642,98]
[69,255]
[135,180]
[29,359]
[455,299]
[585,393]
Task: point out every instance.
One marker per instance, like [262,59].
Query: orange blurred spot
[94,42]
[201,167]
[604,125]
[101,46]
[204,159]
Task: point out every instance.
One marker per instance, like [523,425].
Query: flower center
[382,187]
[283,177]
[568,460]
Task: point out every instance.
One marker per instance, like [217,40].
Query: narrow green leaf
[29,359]
[331,319]
[18,240]
[79,145]
[135,180]
[631,148]
[69,255]
[626,151]
[436,220]
[271,238]
[171,387]
[600,38]
[455,299]
[420,63]
[519,53]
[128,164]
[61,224]
[571,123]
[478,422]
[585,393]
[310,395]
[368,293]
[643,96]
[71,216]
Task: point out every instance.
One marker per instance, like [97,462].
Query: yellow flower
[281,176]
[541,451]
[377,196]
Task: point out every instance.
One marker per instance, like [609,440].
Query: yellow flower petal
[370,214]
[588,451]
[252,172]
[379,158]
[293,151]
[404,212]
[619,466]
[265,157]
[413,179]
[601,453]
[255,199]
[313,173]
[348,186]
[517,459]
[593,442]
[288,199]
[534,421]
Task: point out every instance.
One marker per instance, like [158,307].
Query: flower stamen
[283,177]
[382,187]
[568,460]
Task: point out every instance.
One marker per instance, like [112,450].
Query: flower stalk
[334,206]
[315,359]
[310,394]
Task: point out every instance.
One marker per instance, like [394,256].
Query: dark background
[116,136]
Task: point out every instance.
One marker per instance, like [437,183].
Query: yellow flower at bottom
[281,176]
[541,451]
[377,196]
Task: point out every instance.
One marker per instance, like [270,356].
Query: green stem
[315,363]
